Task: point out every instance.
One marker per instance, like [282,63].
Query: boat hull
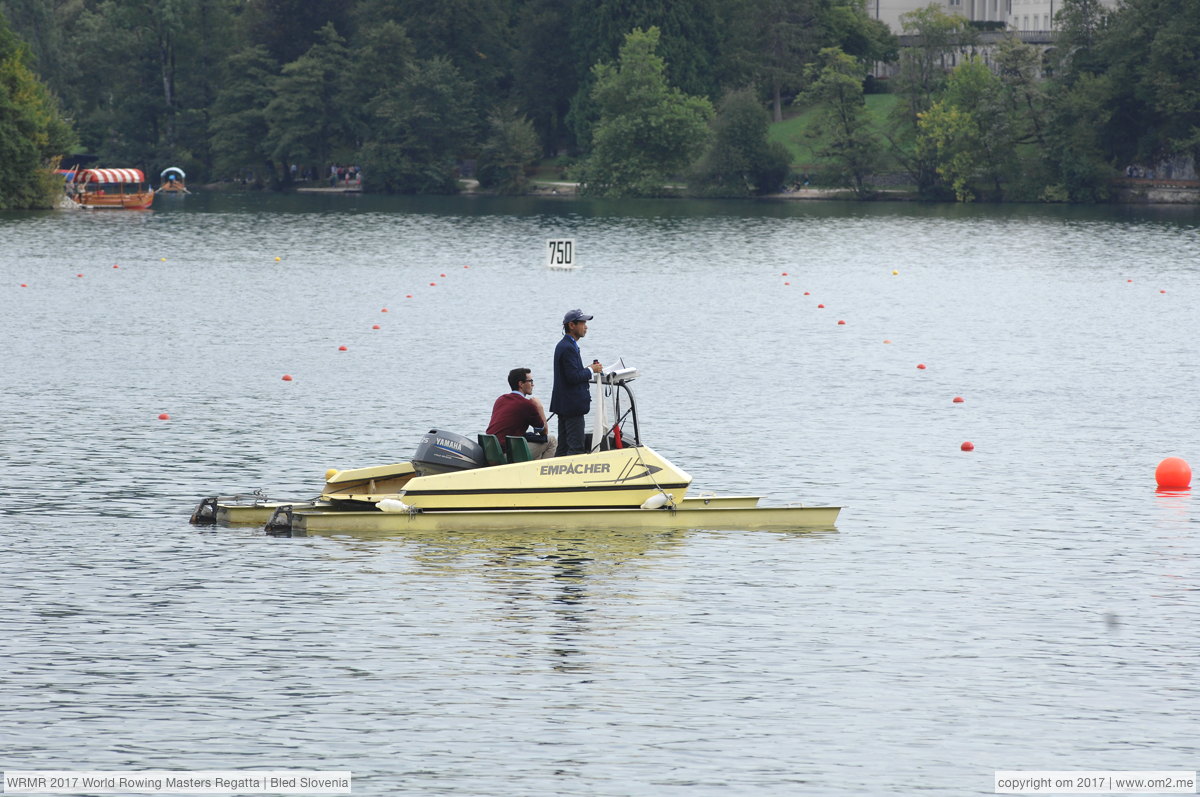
[306,521]
[241,512]
[617,479]
[141,200]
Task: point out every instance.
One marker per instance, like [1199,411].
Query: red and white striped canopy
[111,176]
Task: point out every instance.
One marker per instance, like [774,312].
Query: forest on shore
[639,98]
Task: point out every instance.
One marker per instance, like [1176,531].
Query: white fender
[656,501]
[393,505]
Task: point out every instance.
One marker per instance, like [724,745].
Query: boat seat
[518,449]
[492,451]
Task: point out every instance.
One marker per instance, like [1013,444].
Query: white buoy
[393,505]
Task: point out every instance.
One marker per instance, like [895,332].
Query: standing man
[572,396]
[517,411]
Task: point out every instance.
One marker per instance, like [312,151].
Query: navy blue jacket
[572,394]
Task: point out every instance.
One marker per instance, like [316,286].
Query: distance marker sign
[560,253]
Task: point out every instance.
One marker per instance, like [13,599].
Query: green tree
[308,120]
[418,128]
[510,149]
[836,90]
[974,89]
[288,28]
[923,70]
[32,133]
[1077,154]
[690,41]
[949,140]
[238,130]
[789,36]
[740,160]
[648,132]
[545,74]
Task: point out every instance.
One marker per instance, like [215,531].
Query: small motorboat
[453,482]
[172,181]
[118,189]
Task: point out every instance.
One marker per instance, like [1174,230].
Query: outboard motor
[442,452]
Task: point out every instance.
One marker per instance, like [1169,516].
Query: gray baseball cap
[575,315]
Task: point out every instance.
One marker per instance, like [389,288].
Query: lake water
[1030,605]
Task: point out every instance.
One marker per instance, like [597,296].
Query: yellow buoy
[329,474]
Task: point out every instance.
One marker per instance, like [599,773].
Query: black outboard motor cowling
[442,452]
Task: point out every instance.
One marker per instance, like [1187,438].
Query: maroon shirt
[513,414]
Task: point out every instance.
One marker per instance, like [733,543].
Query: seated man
[517,411]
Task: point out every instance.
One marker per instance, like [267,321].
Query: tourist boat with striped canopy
[453,482]
[120,189]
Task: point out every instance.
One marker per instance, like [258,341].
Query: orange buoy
[384,310]
[1173,473]
[162,416]
[841,323]
[967,446]
[78,275]
[115,265]
[920,366]
[287,377]
[375,326]
[408,296]
[342,348]
[887,341]
[784,274]
[23,285]
[958,399]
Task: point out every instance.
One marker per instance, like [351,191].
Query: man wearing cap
[572,397]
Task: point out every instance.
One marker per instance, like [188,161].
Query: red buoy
[920,366]
[1173,473]
[164,417]
[384,310]
[342,348]
[287,377]
[408,296]
[443,275]
[820,307]
[78,275]
[784,274]
[968,446]
[432,284]
[958,399]
[375,326]
[841,323]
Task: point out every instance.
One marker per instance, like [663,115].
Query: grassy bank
[792,132]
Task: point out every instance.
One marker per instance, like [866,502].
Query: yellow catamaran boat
[456,483]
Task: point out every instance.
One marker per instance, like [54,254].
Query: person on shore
[572,396]
[517,412]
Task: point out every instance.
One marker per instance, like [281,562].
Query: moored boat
[455,483]
[120,189]
[172,181]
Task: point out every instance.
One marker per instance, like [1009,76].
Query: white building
[1018,15]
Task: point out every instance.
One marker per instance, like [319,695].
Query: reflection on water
[1026,605]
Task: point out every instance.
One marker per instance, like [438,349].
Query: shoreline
[1126,192]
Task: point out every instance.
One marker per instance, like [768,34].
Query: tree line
[642,94]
